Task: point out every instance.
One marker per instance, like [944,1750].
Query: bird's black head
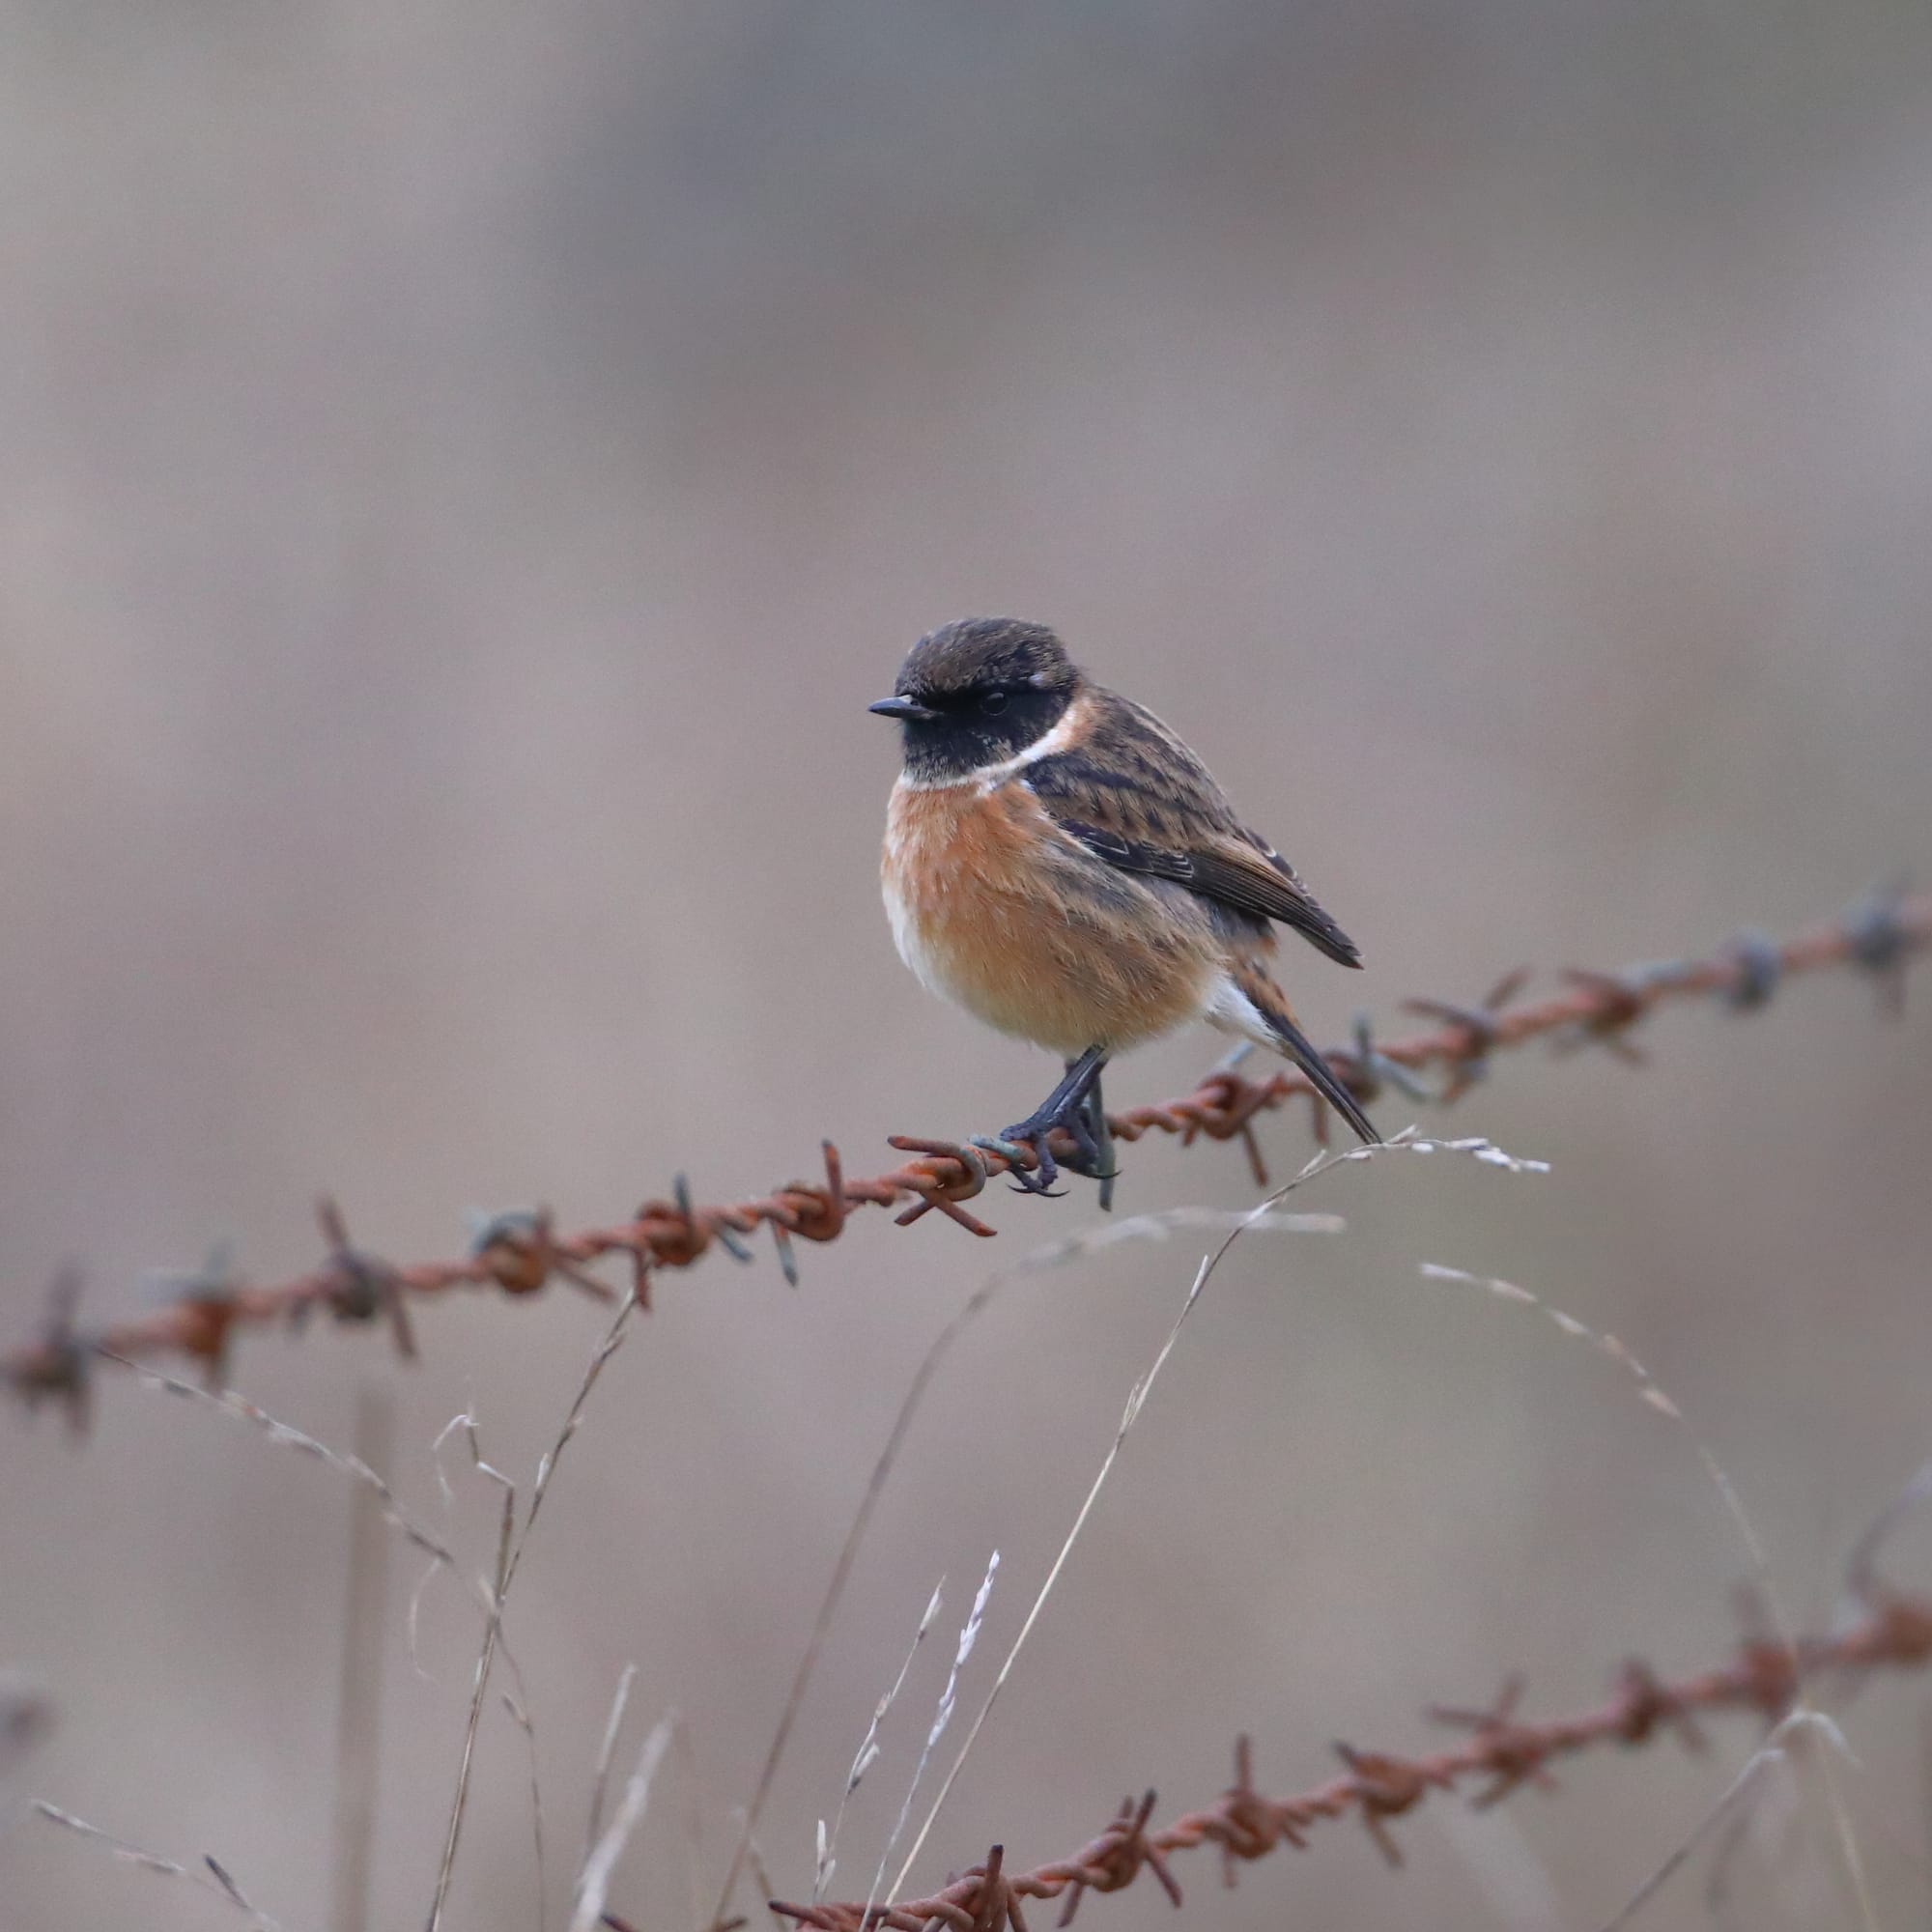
[977,691]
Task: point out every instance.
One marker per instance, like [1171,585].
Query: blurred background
[465,471]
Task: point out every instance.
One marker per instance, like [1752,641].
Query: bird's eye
[993,702]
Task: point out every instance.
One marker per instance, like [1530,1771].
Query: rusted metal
[1880,936]
[1502,1753]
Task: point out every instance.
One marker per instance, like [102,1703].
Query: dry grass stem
[692,1822]
[511,1546]
[358,1719]
[522,1720]
[518,1710]
[1773,1750]
[238,1409]
[210,1877]
[762,1879]
[607,1750]
[593,1881]
[1504,1865]
[968,1636]
[869,1751]
[478,1693]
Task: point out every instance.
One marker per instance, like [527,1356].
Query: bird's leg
[1066,1106]
[1103,1167]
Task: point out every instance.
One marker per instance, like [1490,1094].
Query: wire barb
[1477,1029]
[1881,938]
[356,1287]
[60,1368]
[1758,967]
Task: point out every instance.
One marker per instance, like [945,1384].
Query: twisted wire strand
[1502,1753]
[520,1252]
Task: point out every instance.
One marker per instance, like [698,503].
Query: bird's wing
[1135,796]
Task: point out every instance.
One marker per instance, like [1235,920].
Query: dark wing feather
[1134,795]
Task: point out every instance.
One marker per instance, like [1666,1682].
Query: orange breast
[992,907]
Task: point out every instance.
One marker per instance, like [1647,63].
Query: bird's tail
[1271,1004]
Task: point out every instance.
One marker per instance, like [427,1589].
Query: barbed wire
[519,1251]
[1502,1753]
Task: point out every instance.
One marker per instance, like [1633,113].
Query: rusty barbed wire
[519,1251]
[1502,1753]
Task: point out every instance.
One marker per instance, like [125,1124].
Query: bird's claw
[1013,1146]
[1039,1182]
[1033,1135]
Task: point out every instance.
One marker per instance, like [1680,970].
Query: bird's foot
[1031,1162]
[1018,1146]
[1072,1108]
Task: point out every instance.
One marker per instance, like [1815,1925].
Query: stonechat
[1062,867]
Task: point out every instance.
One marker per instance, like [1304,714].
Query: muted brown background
[464,470]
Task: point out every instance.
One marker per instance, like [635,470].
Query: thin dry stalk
[683,1744]
[1861,1577]
[210,1877]
[593,1881]
[517,1706]
[1772,1751]
[511,1546]
[519,1711]
[867,1752]
[762,1879]
[478,1691]
[968,1636]
[522,1720]
[358,1716]
[238,1409]
[607,1750]
[1505,1865]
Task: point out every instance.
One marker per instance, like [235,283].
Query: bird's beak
[904,708]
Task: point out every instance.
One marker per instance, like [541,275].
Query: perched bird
[1060,864]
